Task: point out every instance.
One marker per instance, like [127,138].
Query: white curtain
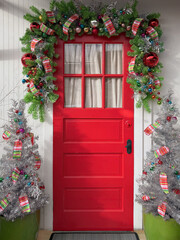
[113,87]
[73,64]
[93,65]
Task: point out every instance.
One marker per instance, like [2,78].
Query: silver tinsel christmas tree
[159,186]
[21,190]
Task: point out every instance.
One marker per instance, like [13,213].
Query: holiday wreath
[68,19]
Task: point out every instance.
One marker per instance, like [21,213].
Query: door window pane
[93,93]
[72,92]
[93,58]
[72,58]
[113,93]
[114,58]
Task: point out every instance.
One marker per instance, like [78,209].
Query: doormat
[94,236]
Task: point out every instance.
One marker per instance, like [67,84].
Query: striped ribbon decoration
[33,89]
[46,30]
[4,203]
[162,209]
[6,135]
[157,82]
[37,164]
[34,42]
[152,32]
[136,25]
[150,129]
[67,24]
[15,175]
[147,198]
[24,203]
[17,151]
[131,65]
[109,25]
[51,17]
[161,151]
[31,135]
[163,182]
[47,65]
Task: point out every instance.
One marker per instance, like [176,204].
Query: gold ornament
[40,18]
[86,29]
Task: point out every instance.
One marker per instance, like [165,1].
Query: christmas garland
[68,19]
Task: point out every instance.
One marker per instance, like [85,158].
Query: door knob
[129,146]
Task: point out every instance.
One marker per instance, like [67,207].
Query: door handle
[129,146]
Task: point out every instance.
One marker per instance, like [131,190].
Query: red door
[92,171]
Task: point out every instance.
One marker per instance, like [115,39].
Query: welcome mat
[94,236]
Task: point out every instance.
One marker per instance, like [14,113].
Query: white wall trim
[138,160]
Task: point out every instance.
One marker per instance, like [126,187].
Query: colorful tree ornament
[34,25]
[162,209]
[94,23]
[150,59]
[78,30]
[27,56]
[154,22]
[95,31]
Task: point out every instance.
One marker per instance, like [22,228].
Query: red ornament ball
[34,25]
[160,162]
[168,118]
[176,191]
[27,56]
[18,131]
[16,111]
[150,59]
[154,22]
[95,31]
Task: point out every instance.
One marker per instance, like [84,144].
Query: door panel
[93,173]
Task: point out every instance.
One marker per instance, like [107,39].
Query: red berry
[158,93]
[16,111]
[167,100]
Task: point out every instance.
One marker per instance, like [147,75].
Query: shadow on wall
[14,9]
[10,54]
